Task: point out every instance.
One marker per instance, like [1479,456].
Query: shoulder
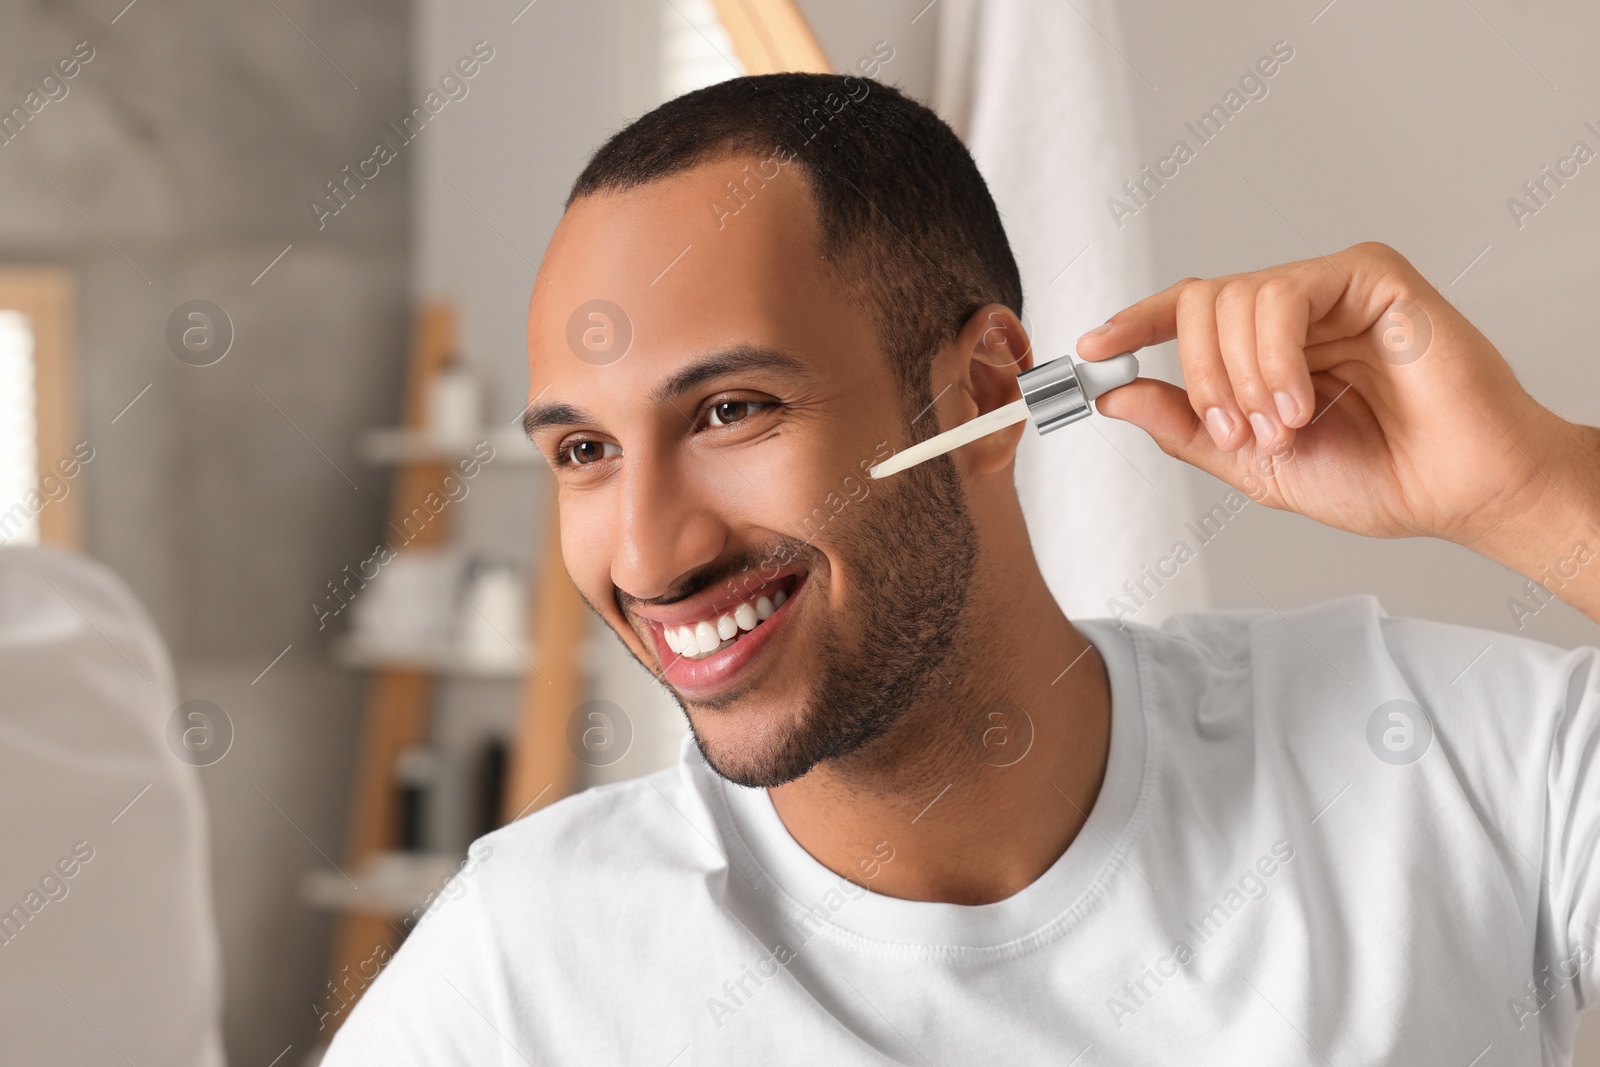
[587,848]
[540,912]
[1308,673]
[1350,638]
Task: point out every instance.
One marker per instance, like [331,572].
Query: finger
[1283,313]
[1348,291]
[1236,337]
[1149,322]
[1164,411]
[1204,374]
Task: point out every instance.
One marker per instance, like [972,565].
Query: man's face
[710,425]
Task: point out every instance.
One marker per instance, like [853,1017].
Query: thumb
[1162,410]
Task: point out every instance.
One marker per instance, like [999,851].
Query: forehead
[724,253]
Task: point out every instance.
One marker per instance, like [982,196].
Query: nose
[666,527]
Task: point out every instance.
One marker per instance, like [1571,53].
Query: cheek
[785,486]
[793,489]
[586,547]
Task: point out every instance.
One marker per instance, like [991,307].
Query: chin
[747,745]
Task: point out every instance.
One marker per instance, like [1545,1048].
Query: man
[924,817]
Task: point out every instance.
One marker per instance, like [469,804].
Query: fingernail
[1096,332]
[1262,425]
[1287,407]
[1220,425]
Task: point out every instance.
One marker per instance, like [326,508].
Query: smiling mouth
[710,635]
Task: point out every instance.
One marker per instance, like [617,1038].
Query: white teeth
[705,637]
[683,641]
[709,635]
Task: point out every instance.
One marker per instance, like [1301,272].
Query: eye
[583,453]
[727,412]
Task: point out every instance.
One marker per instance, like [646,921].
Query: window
[39,500]
[19,431]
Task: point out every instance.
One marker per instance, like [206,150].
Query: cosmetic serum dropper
[1053,394]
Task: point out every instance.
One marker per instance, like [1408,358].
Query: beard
[911,548]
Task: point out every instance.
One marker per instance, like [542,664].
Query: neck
[986,781]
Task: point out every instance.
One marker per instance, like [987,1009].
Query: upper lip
[718,599]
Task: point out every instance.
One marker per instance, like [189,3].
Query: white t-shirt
[1282,867]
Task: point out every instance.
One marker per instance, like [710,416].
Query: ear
[982,365]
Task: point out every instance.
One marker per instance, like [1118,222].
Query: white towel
[1039,92]
[107,935]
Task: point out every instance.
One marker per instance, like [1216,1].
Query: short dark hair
[905,216]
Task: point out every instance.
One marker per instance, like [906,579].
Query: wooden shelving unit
[408,446]
[435,661]
[402,689]
[543,768]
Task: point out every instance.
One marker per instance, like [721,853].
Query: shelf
[438,660]
[391,884]
[396,446]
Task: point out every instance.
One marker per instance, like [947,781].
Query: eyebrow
[742,357]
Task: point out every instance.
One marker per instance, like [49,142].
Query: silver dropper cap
[1059,392]
[1053,394]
